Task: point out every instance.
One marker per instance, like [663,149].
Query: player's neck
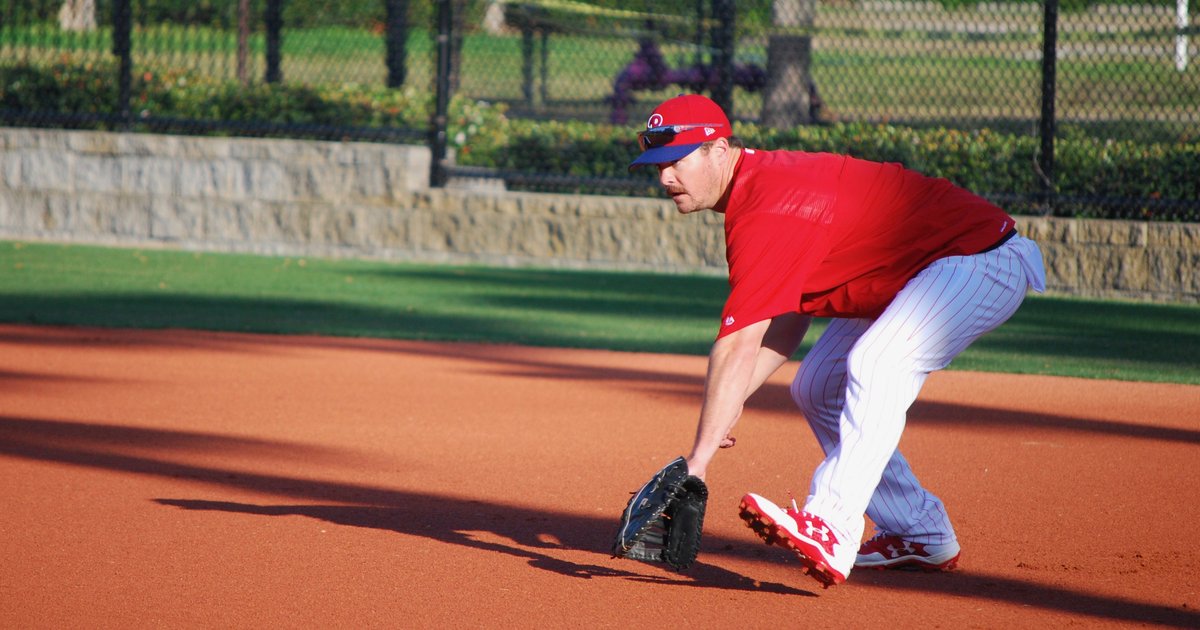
[728,172]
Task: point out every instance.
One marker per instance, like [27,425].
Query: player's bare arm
[738,365]
[731,366]
[779,343]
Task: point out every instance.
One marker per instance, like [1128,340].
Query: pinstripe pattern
[856,384]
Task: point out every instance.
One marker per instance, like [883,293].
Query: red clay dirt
[175,479]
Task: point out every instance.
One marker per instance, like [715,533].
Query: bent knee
[817,393]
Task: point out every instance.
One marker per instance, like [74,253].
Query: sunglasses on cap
[655,137]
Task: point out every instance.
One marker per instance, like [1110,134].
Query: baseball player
[910,268]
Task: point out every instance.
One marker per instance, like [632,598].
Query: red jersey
[835,236]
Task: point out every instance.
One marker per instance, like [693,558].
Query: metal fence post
[1045,162]
[273,20]
[122,49]
[438,141]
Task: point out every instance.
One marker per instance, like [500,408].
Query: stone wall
[365,200]
[1135,260]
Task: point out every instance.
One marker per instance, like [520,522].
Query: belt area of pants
[1003,239]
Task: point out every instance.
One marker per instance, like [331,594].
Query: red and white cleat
[805,534]
[888,551]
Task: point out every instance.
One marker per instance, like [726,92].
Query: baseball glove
[663,520]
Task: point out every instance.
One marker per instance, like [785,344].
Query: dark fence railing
[388,70]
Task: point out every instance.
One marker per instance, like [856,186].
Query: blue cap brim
[662,155]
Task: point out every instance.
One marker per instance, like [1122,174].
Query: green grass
[130,288]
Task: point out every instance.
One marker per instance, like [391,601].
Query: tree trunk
[243,42]
[459,18]
[77,15]
[396,42]
[788,99]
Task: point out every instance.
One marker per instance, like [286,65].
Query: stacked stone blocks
[292,197]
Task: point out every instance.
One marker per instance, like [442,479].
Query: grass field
[141,288]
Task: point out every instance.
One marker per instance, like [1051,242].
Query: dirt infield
[182,479]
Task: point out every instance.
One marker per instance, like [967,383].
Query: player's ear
[722,146]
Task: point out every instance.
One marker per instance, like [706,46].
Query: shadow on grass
[1103,339]
[584,309]
[522,320]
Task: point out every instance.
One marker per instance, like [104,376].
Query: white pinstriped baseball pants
[856,384]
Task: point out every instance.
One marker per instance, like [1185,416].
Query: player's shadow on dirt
[522,533]
[967,583]
[777,398]
[537,536]
[477,524]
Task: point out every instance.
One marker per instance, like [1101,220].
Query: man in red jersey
[910,269]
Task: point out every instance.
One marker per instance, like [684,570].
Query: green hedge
[989,162]
[481,135]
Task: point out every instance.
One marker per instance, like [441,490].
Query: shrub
[63,87]
[1094,171]
[1106,178]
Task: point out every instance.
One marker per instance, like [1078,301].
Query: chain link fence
[1123,77]
[285,68]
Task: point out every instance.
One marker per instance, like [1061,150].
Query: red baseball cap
[678,126]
